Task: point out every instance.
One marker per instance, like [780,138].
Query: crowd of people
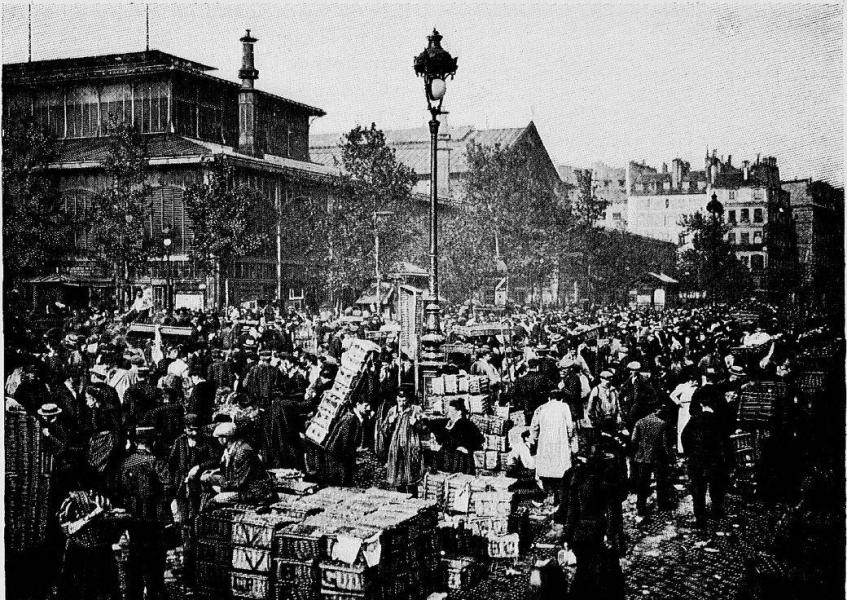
[147,429]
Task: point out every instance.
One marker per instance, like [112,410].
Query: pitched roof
[412,146]
[111,66]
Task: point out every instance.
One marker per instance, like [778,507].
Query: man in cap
[143,485]
[604,410]
[192,454]
[242,476]
[637,397]
[220,372]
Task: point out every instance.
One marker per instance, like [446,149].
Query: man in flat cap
[261,379]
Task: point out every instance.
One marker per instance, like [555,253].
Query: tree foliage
[229,219]
[512,213]
[709,264]
[118,213]
[36,231]
[373,182]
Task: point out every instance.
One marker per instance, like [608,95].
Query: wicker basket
[341,577]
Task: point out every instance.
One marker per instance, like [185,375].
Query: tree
[36,231]
[372,198]
[119,212]
[516,212]
[230,220]
[710,264]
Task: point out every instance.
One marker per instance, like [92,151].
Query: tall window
[78,204]
[745,238]
[745,215]
[757,237]
[168,209]
[757,215]
[757,262]
[731,239]
[731,216]
[732,194]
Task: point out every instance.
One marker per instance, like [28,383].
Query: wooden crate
[257,531]
[301,542]
[255,560]
[338,576]
[214,553]
[300,572]
[250,585]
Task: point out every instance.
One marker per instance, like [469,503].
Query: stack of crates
[745,463]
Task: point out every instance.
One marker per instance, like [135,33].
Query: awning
[406,268]
[662,277]
[71,280]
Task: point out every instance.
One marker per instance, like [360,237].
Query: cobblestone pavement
[667,557]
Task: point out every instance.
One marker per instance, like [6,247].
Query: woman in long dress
[681,396]
[458,441]
[404,448]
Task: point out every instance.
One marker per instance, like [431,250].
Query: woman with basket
[91,527]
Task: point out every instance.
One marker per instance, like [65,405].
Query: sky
[603,82]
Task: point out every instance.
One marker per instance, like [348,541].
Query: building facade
[187,116]
[657,200]
[817,209]
[758,209]
[609,186]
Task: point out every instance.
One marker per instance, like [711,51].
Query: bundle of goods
[756,402]
[353,364]
[28,468]
[473,389]
[290,481]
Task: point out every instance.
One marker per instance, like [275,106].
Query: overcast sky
[610,82]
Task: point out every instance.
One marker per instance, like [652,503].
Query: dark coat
[637,399]
[259,382]
[463,434]
[202,401]
[594,504]
[206,454]
[703,441]
[139,399]
[245,474]
[143,484]
[651,440]
[220,374]
[531,390]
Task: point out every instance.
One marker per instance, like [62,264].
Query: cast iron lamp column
[166,242]
[435,65]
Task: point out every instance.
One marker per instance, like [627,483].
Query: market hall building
[187,116]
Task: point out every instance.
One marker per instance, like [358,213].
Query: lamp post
[435,65]
[166,242]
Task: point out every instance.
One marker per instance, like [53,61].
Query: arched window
[78,204]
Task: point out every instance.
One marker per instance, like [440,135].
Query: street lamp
[435,65]
[166,242]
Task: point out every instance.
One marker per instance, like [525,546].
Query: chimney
[664,167]
[745,169]
[729,161]
[247,105]
[676,173]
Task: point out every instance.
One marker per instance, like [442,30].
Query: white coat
[553,429]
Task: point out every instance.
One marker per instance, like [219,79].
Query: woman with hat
[458,441]
[403,426]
